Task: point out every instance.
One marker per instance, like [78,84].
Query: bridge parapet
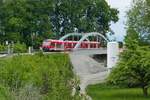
[90,51]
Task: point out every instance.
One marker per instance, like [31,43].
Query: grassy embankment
[106,92]
[37,77]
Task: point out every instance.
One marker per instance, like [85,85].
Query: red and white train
[60,45]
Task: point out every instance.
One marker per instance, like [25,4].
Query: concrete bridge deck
[90,51]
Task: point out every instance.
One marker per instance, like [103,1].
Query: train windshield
[46,42]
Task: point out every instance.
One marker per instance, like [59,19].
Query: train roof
[61,41]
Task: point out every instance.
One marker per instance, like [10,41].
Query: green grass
[106,92]
[36,77]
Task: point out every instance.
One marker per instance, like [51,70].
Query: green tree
[28,20]
[138,20]
[2,48]
[19,48]
[133,68]
[20,19]
[82,16]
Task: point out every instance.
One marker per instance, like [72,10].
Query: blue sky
[119,27]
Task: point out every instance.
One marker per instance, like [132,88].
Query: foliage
[133,68]
[120,44]
[82,16]
[24,20]
[4,93]
[138,20]
[108,92]
[19,48]
[31,21]
[2,48]
[39,76]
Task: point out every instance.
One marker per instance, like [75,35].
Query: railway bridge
[89,70]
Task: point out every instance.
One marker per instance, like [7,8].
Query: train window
[92,45]
[59,45]
[66,44]
[53,44]
[69,45]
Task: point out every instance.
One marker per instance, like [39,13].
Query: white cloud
[119,3]
[119,27]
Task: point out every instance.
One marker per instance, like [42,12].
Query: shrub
[133,69]
[19,48]
[4,93]
[2,48]
[48,75]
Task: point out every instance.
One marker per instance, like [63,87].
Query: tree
[21,19]
[31,20]
[138,20]
[133,68]
[82,15]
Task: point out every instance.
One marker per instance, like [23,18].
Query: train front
[52,45]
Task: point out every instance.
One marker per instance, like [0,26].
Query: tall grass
[37,77]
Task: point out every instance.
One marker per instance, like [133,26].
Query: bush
[44,76]
[133,69]
[19,48]
[4,93]
[2,48]
[120,44]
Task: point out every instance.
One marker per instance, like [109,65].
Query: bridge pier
[112,54]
